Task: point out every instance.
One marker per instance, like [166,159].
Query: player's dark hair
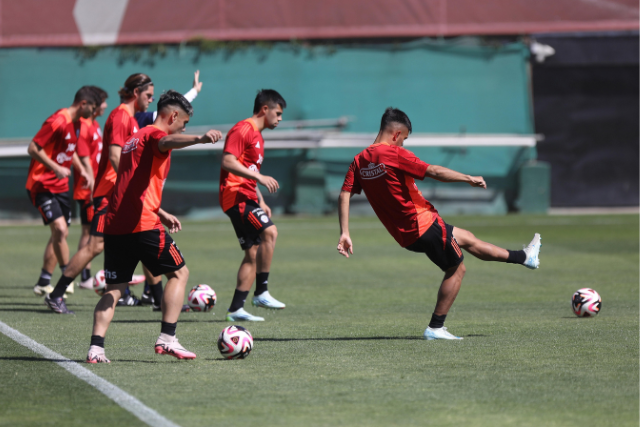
[135,81]
[393,115]
[86,93]
[268,97]
[171,97]
[101,93]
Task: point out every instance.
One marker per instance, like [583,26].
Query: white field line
[119,396]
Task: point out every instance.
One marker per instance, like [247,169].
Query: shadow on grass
[31,304]
[32,310]
[339,339]
[159,319]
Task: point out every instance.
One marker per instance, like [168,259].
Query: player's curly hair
[135,81]
[171,97]
[393,115]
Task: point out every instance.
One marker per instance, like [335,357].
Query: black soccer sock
[61,286]
[156,293]
[239,297]
[169,328]
[516,257]
[86,274]
[97,340]
[261,283]
[437,321]
[45,278]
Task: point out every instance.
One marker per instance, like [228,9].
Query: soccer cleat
[42,290]
[128,300]
[439,334]
[70,289]
[57,305]
[267,301]
[96,355]
[185,308]
[166,344]
[146,299]
[86,284]
[532,251]
[137,279]
[241,315]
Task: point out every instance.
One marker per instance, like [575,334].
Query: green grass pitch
[348,349]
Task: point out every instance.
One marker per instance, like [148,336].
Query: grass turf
[348,349]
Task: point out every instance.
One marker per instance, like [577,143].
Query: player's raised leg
[529,256]
[167,343]
[261,296]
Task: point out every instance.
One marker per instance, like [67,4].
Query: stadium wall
[458,86]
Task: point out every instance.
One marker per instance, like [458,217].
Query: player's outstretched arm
[176,141]
[440,173]
[172,223]
[231,164]
[345,246]
[36,152]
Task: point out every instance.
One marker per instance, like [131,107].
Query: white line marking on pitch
[121,397]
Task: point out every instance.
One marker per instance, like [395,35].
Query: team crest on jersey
[131,145]
[373,171]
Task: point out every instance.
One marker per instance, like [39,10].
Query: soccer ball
[235,342]
[586,302]
[99,283]
[202,298]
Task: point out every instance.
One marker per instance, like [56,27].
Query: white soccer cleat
[265,300]
[42,290]
[69,289]
[86,284]
[533,251]
[96,355]
[439,334]
[167,344]
[241,315]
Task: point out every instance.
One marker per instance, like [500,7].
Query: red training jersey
[137,194]
[387,175]
[94,141]
[244,141]
[119,126]
[59,137]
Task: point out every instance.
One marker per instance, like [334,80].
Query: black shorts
[154,248]
[86,211]
[440,245]
[100,206]
[249,221]
[51,205]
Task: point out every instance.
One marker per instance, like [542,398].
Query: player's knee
[183,274]
[461,269]
[270,234]
[96,247]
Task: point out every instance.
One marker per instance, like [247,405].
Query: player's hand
[197,85]
[271,184]
[212,136]
[88,180]
[477,181]
[62,172]
[345,247]
[172,223]
[265,208]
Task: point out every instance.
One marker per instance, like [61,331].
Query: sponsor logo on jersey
[71,147]
[260,159]
[63,157]
[130,145]
[110,274]
[373,171]
[253,168]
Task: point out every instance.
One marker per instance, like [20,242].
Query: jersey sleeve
[154,139]
[83,147]
[120,131]
[50,127]
[351,183]
[410,164]
[236,141]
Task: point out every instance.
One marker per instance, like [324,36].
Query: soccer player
[53,150]
[387,172]
[134,230]
[241,200]
[81,194]
[136,95]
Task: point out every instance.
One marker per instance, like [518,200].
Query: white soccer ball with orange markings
[201,298]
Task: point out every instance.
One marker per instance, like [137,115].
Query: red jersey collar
[250,120]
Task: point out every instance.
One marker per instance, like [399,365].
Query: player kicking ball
[241,200]
[387,172]
[134,230]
